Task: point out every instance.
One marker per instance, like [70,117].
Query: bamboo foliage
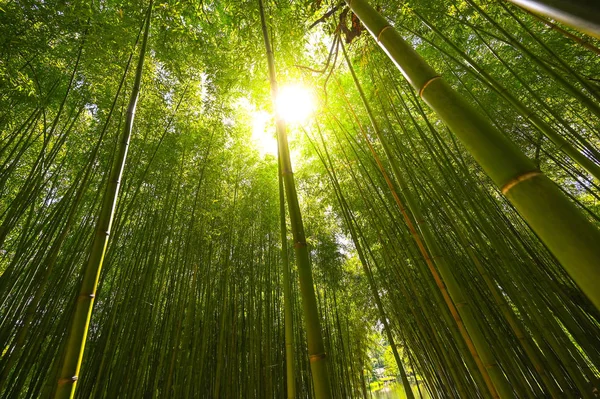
[415,266]
[580,15]
[316,349]
[79,324]
[546,210]
[349,219]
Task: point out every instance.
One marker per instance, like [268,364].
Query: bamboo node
[427,84]
[299,245]
[86,296]
[317,357]
[70,380]
[287,173]
[381,32]
[519,179]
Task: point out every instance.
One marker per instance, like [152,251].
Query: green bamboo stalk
[492,237]
[353,227]
[563,32]
[561,143]
[443,290]
[555,57]
[422,306]
[50,259]
[35,180]
[287,294]
[590,104]
[316,349]
[559,224]
[223,314]
[473,335]
[512,320]
[583,15]
[519,334]
[425,308]
[78,328]
[524,340]
[594,152]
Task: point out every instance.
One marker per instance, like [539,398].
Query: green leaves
[192,279]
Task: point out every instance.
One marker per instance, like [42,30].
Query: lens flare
[294,104]
[265,142]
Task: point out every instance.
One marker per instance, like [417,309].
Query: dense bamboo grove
[444,200]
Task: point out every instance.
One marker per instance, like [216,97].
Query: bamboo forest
[374,199]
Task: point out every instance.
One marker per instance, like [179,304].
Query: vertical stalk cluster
[404,243]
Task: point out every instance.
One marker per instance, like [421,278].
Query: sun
[294,103]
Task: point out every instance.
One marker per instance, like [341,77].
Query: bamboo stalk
[527,113]
[287,293]
[583,15]
[78,328]
[563,32]
[560,225]
[353,227]
[316,349]
[456,300]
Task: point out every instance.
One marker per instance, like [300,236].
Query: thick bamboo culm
[422,271]
[583,15]
[316,348]
[466,321]
[550,214]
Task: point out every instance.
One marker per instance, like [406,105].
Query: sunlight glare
[294,104]
[265,142]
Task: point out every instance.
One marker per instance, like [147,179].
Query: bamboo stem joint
[519,179]
[317,356]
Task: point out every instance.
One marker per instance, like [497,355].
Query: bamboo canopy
[436,237]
